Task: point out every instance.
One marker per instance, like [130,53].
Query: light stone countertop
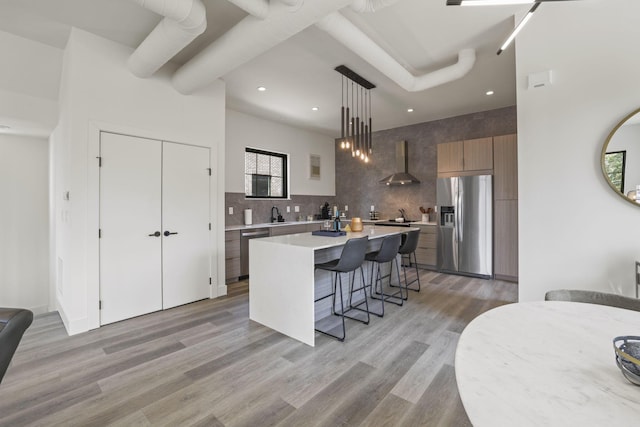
[374,221]
[270,224]
[309,241]
[345,221]
[546,363]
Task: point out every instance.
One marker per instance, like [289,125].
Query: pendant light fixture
[356,122]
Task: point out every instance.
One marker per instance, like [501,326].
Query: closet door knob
[156,234]
[167,233]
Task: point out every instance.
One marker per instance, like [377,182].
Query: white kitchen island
[283,283]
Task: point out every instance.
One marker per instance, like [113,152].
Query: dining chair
[593,297]
[13,323]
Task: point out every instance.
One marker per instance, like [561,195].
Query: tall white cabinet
[154,225]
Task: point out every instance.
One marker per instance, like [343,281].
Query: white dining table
[546,363]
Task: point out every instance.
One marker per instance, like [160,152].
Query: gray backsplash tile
[357,184]
[309,205]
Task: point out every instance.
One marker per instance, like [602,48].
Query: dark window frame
[622,172]
[285,173]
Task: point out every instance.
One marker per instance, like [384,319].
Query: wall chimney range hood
[402,176]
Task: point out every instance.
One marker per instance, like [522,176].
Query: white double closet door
[154,225]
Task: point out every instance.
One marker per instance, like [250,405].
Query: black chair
[13,323]
[350,260]
[386,254]
[408,251]
[593,297]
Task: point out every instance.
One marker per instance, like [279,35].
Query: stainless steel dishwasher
[245,236]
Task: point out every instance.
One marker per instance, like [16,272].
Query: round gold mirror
[620,159]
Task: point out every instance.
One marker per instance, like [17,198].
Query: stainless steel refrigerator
[465,243]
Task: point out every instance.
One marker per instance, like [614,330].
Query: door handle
[168,233]
[156,234]
[255,233]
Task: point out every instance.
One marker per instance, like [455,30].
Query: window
[265,174]
[614,163]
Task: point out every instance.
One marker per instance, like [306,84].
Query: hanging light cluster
[356,122]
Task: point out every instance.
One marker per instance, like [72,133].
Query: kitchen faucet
[277,216]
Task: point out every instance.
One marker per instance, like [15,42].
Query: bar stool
[386,254]
[408,249]
[350,260]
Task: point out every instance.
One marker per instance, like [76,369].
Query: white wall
[575,232]
[24,239]
[98,93]
[29,78]
[244,130]
[627,138]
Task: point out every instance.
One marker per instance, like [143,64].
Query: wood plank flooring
[207,364]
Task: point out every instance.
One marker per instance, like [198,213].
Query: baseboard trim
[505,278]
[41,309]
[73,327]
[222,290]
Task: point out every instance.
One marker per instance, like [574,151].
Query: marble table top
[546,363]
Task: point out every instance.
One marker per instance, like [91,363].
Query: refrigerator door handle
[459,216]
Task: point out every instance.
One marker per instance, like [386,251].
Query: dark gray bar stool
[350,260]
[386,254]
[408,251]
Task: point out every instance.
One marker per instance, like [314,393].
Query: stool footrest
[366,322]
[367,310]
[389,298]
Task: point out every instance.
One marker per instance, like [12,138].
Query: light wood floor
[207,364]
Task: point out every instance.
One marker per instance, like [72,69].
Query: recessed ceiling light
[409,110]
[261,88]
[315,108]
[489,92]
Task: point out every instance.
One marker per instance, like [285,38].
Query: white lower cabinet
[154,225]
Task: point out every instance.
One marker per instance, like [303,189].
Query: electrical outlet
[373,208]
[288,209]
[230,210]
[296,208]
[346,208]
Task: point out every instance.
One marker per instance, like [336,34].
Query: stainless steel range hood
[402,176]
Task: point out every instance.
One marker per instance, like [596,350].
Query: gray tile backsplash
[357,184]
[309,205]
